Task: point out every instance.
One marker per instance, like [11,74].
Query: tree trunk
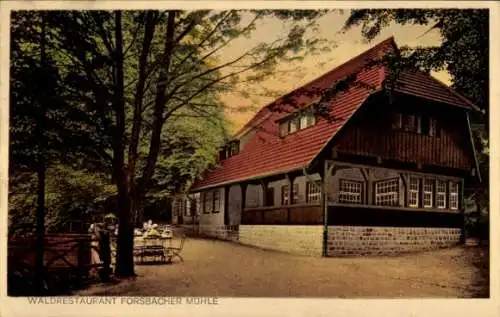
[40,226]
[125,243]
[40,170]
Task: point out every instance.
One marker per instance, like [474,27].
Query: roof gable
[266,153]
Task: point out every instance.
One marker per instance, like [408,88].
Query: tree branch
[149,31]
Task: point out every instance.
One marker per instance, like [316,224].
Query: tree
[34,83]
[463,52]
[120,113]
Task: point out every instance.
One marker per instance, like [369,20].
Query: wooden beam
[290,179]
[324,203]
[226,205]
[368,184]
[243,196]
[264,184]
[351,165]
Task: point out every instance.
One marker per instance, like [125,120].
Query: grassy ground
[217,268]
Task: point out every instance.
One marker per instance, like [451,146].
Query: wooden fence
[67,256]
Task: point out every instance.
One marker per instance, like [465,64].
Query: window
[397,121]
[311,120]
[428,190]
[175,207]
[413,191]
[409,123]
[433,131]
[454,195]
[207,208]
[285,195]
[350,192]
[419,124]
[198,205]
[295,197]
[440,194]
[235,147]
[283,129]
[293,125]
[313,193]
[303,122]
[187,211]
[298,122]
[216,201]
[180,210]
[386,192]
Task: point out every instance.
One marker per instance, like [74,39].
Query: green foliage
[70,195]
[135,98]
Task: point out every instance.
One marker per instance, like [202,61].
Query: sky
[347,45]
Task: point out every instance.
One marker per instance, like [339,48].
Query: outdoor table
[155,240]
[156,245]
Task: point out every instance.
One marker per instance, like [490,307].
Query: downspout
[473,148]
[463,235]
[325,209]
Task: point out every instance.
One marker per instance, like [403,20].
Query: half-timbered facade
[384,172]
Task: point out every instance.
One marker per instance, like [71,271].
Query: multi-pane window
[413,191]
[216,201]
[440,194]
[181,207]
[285,195]
[313,193]
[350,192]
[386,192]
[295,194]
[454,195]
[416,123]
[428,190]
[208,203]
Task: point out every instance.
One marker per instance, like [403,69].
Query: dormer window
[235,147]
[230,149]
[296,123]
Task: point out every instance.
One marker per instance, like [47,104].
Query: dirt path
[216,268]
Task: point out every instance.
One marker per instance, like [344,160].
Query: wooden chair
[175,251]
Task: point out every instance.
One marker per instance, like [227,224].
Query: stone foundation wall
[349,240]
[219,232]
[304,240]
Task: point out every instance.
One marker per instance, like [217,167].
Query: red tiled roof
[422,85]
[266,153]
